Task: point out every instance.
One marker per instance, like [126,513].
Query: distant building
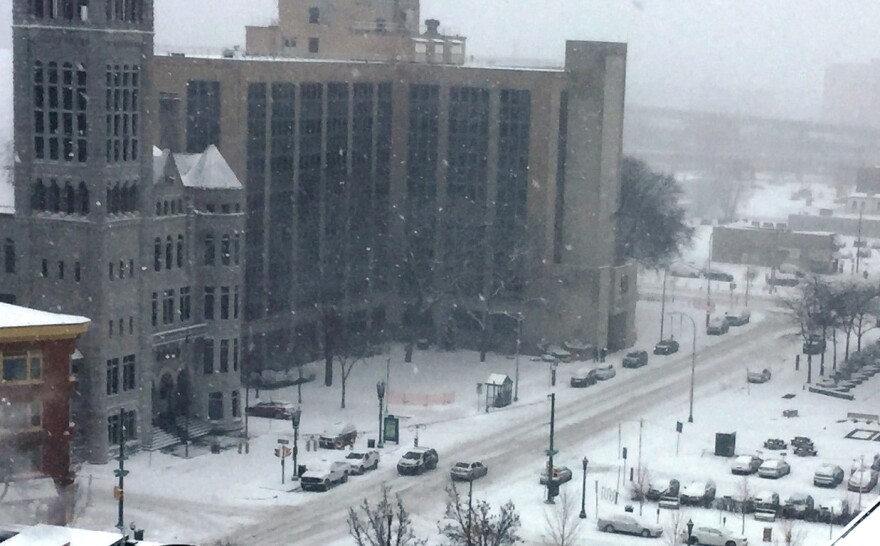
[815,252]
[37,384]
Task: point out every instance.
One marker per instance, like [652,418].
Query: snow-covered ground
[213,496]
[774,198]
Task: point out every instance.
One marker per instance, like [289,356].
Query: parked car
[698,493]
[746,464]
[767,500]
[468,472]
[717,327]
[775,444]
[814,344]
[681,269]
[798,506]
[782,279]
[324,474]
[759,377]
[666,347]
[862,481]
[806,450]
[628,523]
[561,474]
[671,489]
[798,441]
[271,410]
[828,475]
[605,372]
[833,511]
[583,378]
[712,536]
[774,468]
[417,460]
[738,317]
[361,461]
[338,436]
[717,275]
[635,359]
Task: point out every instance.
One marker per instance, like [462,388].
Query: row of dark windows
[49,196]
[60,270]
[67,10]
[222,304]
[219,359]
[229,249]
[129,11]
[60,119]
[122,119]
[124,428]
[203,115]
[124,269]
[169,207]
[169,257]
[215,405]
[121,378]
[168,315]
[122,197]
[119,327]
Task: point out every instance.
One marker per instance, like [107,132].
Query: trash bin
[215,448]
[301,469]
[371,443]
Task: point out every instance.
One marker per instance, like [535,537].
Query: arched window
[180,251]
[133,198]
[54,204]
[69,199]
[115,199]
[209,249]
[165,208]
[158,208]
[225,249]
[157,254]
[9,256]
[82,198]
[236,249]
[169,252]
[38,201]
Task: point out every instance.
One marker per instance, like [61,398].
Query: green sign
[391,432]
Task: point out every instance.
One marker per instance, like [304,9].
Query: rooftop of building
[51,535]
[15,316]
[207,170]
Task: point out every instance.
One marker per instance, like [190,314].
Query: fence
[417,399]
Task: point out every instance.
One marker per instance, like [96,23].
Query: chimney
[433,25]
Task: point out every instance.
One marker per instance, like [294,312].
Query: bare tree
[811,308]
[473,523]
[562,522]
[351,348]
[792,534]
[744,491]
[369,525]
[673,527]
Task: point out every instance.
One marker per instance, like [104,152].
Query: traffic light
[624,453]
[278,452]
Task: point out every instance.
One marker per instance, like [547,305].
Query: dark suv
[635,359]
[417,460]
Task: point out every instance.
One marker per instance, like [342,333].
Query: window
[624,284]
[61,270]
[110,274]
[130,325]
[235,303]
[314,45]
[202,115]
[168,252]
[44,269]
[209,303]
[235,355]
[209,250]
[290,42]
[224,355]
[215,406]
[236,247]
[168,307]
[59,116]
[131,268]
[225,249]
[314,15]
[9,256]
[21,415]
[114,429]
[224,303]
[77,272]
[185,303]
[121,269]
[112,376]
[128,373]
[154,317]
[110,329]
[157,254]
[122,427]
[208,356]
[21,366]
[236,404]
[180,251]
[122,104]
[129,425]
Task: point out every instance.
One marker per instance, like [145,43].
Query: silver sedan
[628,523]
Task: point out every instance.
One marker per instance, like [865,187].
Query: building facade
[435,195]
[36,388]
[106,228]
[815,252]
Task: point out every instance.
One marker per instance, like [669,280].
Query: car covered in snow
[561,474]
[322,475]
[828,475]
[698,493]
[738,317]
[717,327]
[746,464]
[862,481]
[767,501]
[605,372]
[417,460]
[717,275]
[468,472]
[338,436]
[759,377]
[713,536]
[361,461]
[271,410]
[775,444]
[583,378]
[688,271]
[629,524]
[666,347]
[774,468]
[635,359]
[798,506]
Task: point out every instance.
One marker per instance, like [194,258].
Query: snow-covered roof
[14,316]
[497,379]
[207,170]
[51,535]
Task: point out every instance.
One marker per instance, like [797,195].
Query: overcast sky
[732,55]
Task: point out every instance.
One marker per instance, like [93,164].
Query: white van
[738,317]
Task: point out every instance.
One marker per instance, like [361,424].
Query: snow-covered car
[833,511]
[666,347]
[635,359]
[746,464]
[681,269]
[628,523]
[669,489]
[759,377]
[322,475]
[338,436]
[698,493]
[767,500]
[271,410]
[583,378]
[774,468]
[561,474]
[605,372]
[717,275]
[717,327]
[713,536]
[798,506]
[417,460]
[862,481]
[828,475]
[468,472]
[738,317]
[361,461]
[775,444]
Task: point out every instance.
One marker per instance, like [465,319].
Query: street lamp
[519,319]
[294,420]
[693,360]
[690,526]
[551,452]
[380,392]
[583,514]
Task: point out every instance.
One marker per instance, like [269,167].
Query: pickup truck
[323,475]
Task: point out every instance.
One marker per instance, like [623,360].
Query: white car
[604,372]
[774,468]
[712,536]
[361,461]
[628,523]
[746,464]
[322,475]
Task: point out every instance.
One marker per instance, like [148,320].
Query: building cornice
[42,333]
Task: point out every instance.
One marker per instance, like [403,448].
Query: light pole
[663,302]
[294,420]
[380,392]
[551,452]
[693,361]
[690,526]
[583,514]
[519,319]
[709,279]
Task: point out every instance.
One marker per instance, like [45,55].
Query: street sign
[120,473]
[283,441]
[550,452]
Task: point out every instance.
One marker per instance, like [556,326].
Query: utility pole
[519,319]
[663,303]
[551,451]
[121,472]
[470,540]
[859,244]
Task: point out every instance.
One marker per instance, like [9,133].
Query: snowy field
[211,497]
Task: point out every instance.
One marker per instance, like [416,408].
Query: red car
[272,410]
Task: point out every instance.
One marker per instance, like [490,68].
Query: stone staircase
[196,428]
[162,439]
